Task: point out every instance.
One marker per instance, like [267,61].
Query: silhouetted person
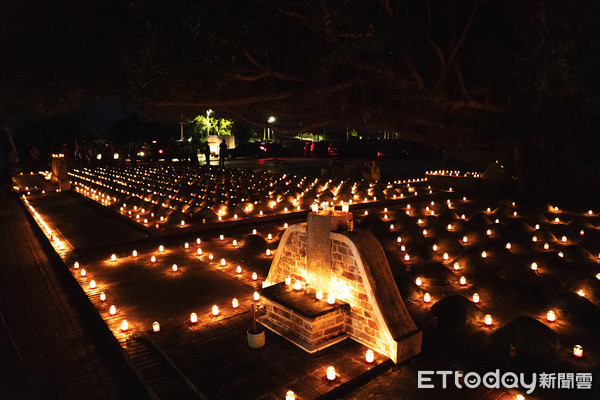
[222,153]
[207,153]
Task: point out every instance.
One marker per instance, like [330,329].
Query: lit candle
[488,232]
[124,325]
[112,310]
[223,262]
[76,264]
[193,318]
[297,285]
[235,242]
[483,254]
[546,246]
[102,296]
[581,292]
[319,294]
[221,237]
[345,208]
[446,256]
[254,276]
[426,297]
[435,247]
[113,257]
[598,276]
[161,248]
[186,245]
[551,316]
[182,223]
[174,267]
[92,284]
[155,327]
[238,270]
[564,239]
[290,395]
[254,231]
[314,208]
[463,280]
[419,281]
[268,252]
[508,246]
[153,259]
[488,320]
[369,356]
[215,310]
[256,296]
[399,239]
[534,266]
[456,266]
[578,351]
[210,256]
[534,238]
[331,373]
[83,272]
[134,253]
[288,280]
[235,303]
[475,298]
[465,239]
[406,257]
[198,241]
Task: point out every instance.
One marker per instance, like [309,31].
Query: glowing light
[331,298]
[210,256]
[369,356]
[268,252]
[419,281]
[92,284]
[399,239]
[564,239]
[578,351]
[330,373]
[102,296]
[155,327]
[223,262]
[193,318]
[508,246]
[235,303]
[297,285]
[76,264]
[254,276]
[435,247]
[427,298]
[546,246]
[319,294]
[182,223]
[134,253]
[238,269]
[581,292]
[406,257]
[456,266]
[446,256]
[153,259]
[124,325]
[484,254]
[288,280]
[83,272]
[289,395]
[256,296]
[113,257]
[186,245]
[198,241]
[112,310]
[551,316]
[161,248]
[235,243]
[475,298]
[254,231]
[174,267]
[488,232]
[488,320]
[462,280]
[534,238]
[221,237]
[534,266]
[464,239]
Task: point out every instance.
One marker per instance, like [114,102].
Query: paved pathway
[48,345]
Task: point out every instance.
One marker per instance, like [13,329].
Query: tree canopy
[454,71]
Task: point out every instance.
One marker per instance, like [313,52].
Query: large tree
[460,71]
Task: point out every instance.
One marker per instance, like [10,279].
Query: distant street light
[269,130]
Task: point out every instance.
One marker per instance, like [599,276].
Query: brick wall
[364,323]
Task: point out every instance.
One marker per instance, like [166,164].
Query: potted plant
[256,333]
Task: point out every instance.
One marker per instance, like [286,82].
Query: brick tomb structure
[360,299]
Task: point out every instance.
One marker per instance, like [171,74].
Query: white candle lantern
[83,272]
[463,280]
[546,246]
[112,310]
[297,285]
[76,264]
[268,252]
[465,240]
[174,267]
[193,318]
[124,326]
[475,298]
[254,276]
[331,373]
[186,245]
[215,310]
[435,247]
[256,296]
[369,356]
[581,292]
[319,294]
[578,351]
[221,237]
[198,241]
[161,248]
[288,280]
[153,259]
[134,253]
[102,296]
[92,284]
[550,316]
[427,298]
[238,270]
[456,266]
[113,257]
[290,395]
[406,257]
[488,320]
[235,303]
[155,327]
[419,281]
[235,242]
[534,266]
[446,256]
[210,256]
[223,262]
